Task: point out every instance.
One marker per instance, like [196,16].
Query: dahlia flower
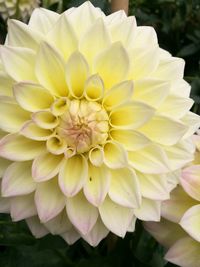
[180,231]
[20,9]
[95,123]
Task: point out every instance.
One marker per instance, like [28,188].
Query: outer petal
[17,180]
[32,97]
[4,163]
[46,166]
[193,121]
[190,222]
[49,200]
[18,148]
[6,84]
[73,174]
[185,252]
[97,184]
[149,210]
[151,159]
[22,207]
[50,70]
[37,229]
[98,232]
[86,217]
[112,65]
[116,218]
[145,35]
[71,236]
[125,188]
[18,62]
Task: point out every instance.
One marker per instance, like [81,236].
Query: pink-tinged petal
[125,188]
[86,217]
[149,210]
[185,253]
[71,236]
[190,222]
[18,148]
[153,186]
[190,180]
[98,232]
[17,180]
[46,166]
[115,217]
[59,225]
[22,207]
[97,184]
[18,62]
[174,208]
[165,232]
[73,174]
[36,228]
[49,200]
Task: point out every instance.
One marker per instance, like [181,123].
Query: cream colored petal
[190,222]
[124,31]
[18,62]
[151,159]
[59,106]
[45,119]
[49,200]
[63,37]
[115,217]
[59,224]
[43,20]
[153,186]
[56,145]
[97,184]
[98,232]
[22,207]
[50,70]
[132,225]
[112,64]
[94,40]
[6,84]
[144,61]
[130,139]
[172,68]
[12,116]
[71,236]
[18,148]
[175,106]
[115,155]
[145,35]
[179,202]
[185,253]
[125,188]
[76,67]
[32,97]
[191,182]
[151,91]
[4,163]
[32,131]
[192,120]
[86,217]
[181,88]
[46,166]
[131,115]
[149,210]
[118,94]
[21,35]
[164,130]
[17,180]
[73,174]
[115,17]
[94,88]
[36,228]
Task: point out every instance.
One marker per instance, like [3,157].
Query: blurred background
[177,23]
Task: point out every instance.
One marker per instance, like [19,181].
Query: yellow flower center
[84,125]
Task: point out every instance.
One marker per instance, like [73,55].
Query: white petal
[37,229]
[17,180]
[49,200]
[125,188]
[145,35]
[71,236]
[81,213]
[149,210]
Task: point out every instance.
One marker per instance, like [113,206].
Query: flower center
[84,125]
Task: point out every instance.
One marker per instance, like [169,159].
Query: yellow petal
[94,88]
[6,84]
[32,131]
[45,119]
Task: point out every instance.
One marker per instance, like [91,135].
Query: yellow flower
[95,123]
[20,9]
